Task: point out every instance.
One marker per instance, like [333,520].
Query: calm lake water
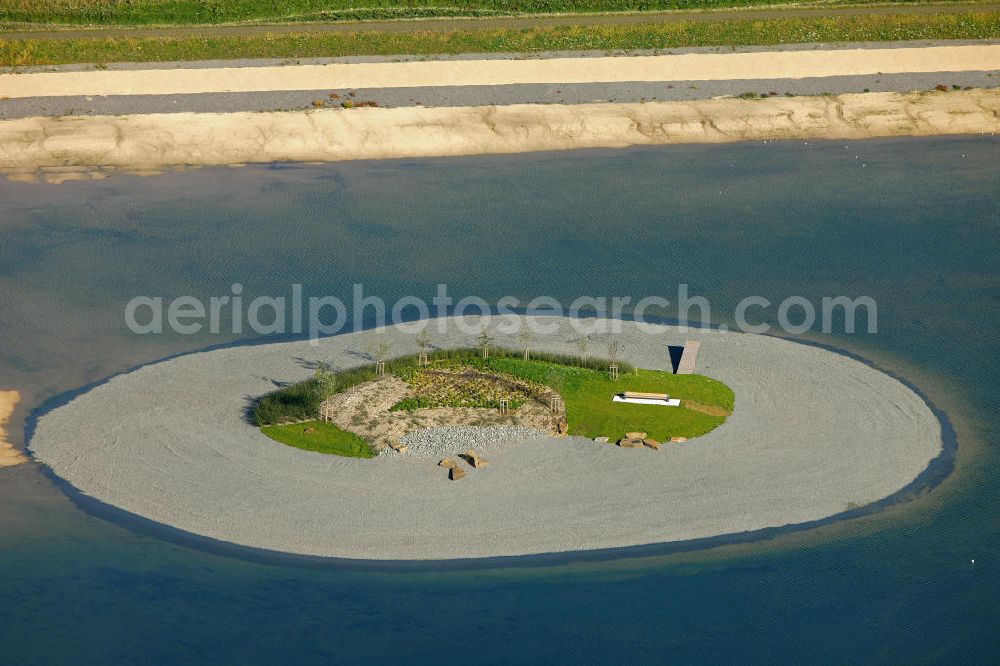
[914,223]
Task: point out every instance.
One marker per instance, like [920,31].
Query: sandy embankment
[9,456]
[78,147]
[146,142]
[813,433]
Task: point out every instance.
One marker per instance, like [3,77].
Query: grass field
[327,438]
[979,25]
[189,12]
[590,411]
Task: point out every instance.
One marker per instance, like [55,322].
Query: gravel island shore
[813,433]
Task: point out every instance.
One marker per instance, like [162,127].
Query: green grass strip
[200,12]
[320,437]
[877,28]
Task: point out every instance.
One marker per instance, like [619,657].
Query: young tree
[524,339]
[582,345]
[424,339]
[424,342]
[615,349]
[484,341]
[379,347]
[326,380]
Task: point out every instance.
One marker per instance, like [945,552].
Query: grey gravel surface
[444,441]
[812,433]
[584,93]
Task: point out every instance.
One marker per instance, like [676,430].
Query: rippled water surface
[913,223]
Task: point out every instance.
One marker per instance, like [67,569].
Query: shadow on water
[936,471]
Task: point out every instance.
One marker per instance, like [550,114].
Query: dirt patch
[364,410]
[711,410]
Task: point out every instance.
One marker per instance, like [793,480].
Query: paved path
[497,72]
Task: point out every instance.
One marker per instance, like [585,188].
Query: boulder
[678,439]
[651,443]
[474,460]
[601,440]
[635,435]
[630,442]
[456,473]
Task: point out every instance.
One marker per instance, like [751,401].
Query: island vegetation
[565,394]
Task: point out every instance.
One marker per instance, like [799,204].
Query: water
[915,223]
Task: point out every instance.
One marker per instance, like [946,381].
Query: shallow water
[911,222]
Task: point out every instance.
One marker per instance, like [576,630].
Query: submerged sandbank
[30,146]
[813,434]
[9,456]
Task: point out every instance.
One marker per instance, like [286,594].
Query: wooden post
[504,405]
[555,402]
[613,371]
[486,352]
[379,368]
[422,359]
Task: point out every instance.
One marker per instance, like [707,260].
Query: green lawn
[591,412]
[979,25]
[328,438]
[192,12]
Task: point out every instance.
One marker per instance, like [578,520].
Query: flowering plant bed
[465,386]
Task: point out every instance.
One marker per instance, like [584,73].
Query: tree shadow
[308,364]
[676,351]
[249,402]
[362,356]
[277,383]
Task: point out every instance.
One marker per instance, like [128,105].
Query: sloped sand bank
[30,146]
[813,433]
[9,456]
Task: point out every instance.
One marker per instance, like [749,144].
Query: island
[769,433]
